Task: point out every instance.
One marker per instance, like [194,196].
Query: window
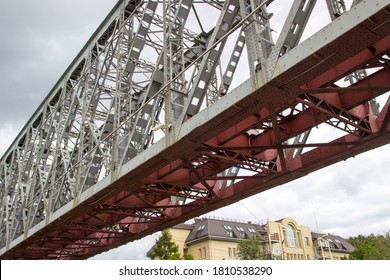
[230,234]
[201,227]
[242,232]
[232,252]
[202,253]
[251,230]
[229,231]
[199,231]
[307,241]
[240,229]
[291,240]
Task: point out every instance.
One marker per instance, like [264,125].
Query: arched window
[291,239]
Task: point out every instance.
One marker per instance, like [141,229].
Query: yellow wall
[220,250]
[201,250]
[304,246]
[340,256]
[215,250]
[179,236]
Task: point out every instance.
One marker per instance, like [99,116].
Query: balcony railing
[273,237]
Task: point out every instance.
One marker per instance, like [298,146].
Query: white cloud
[135,250]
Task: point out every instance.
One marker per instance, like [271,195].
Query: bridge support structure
[88,172]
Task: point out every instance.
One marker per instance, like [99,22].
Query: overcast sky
[40,38]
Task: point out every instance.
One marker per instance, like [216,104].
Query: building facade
[213,239]
[285,239]
[217,239]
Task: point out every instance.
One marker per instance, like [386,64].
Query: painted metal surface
[89,173]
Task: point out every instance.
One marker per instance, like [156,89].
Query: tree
[251,249]
[188,257]
[165,248]
[371,247]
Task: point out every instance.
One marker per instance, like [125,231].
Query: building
[288,240]
[331,247]
[217,239]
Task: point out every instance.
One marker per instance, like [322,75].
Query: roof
[184,226]
[212,228]
[336,243]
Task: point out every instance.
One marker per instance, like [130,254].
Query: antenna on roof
[317,231]
[261,222]
[315,217]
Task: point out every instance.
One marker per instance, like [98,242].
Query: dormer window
[199,231]
[240,229]
[201,227]
[251,230]
[242,232]
[229,231]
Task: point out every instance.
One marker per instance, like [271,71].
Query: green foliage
[251,249]
[188,257]
[277,257]
[166,249]
[371,247]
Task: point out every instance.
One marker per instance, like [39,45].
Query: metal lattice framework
[153,123]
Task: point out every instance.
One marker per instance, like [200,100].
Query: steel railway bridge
[175,108]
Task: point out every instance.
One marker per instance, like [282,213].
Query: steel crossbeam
[88,172]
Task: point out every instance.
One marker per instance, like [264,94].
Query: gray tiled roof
[209,228]
[184,226]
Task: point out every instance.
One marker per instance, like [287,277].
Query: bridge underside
[249,130]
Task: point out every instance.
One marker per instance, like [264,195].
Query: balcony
[272,237]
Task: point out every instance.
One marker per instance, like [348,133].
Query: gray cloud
[39,40]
